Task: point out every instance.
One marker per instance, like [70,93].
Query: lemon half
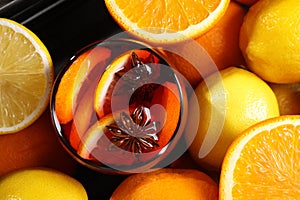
[26,76]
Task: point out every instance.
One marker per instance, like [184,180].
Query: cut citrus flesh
[94,133]
[26,76]
[103,93]
[171,103]
[169,20]
[73,79]
[109,79]
[83,117]
[264,162]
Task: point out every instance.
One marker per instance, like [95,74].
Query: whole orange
[167,184]
[34,146]
[221,43]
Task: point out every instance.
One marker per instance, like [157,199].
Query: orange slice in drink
[112,74]
[93,135]
[83,117]
[167,21]
[264,162]
[73,79]
[103,94]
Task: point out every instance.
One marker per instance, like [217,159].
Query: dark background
[65,26]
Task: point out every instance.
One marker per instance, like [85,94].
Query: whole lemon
[40,183]
[229,101]
[270,40]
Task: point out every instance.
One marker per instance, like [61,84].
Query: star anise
[139,73]
[135,133]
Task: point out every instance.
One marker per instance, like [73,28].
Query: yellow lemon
[288,97]
[270,40]
[40,183]
[26,76]
[229,101]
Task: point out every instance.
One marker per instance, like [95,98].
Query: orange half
[264,162]
[167,21]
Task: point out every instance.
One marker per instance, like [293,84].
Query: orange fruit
[221,43]
[167,22]
[26,77]
[73,79]
[167,184]
[263,162]
[36,145]
[288,97]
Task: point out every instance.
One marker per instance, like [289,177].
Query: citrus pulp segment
[93,134]
[26,76]
[73,80]
[264,161]
[167,21]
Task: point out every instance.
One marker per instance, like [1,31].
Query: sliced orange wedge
[90,141]
[83,116]
[96,143]
[106,86]
[103,94]
[171,104]
[167,21]
[264,162]
[73,79]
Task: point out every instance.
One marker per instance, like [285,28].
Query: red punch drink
[118,107]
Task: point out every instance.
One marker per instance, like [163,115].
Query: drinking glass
[119,107]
